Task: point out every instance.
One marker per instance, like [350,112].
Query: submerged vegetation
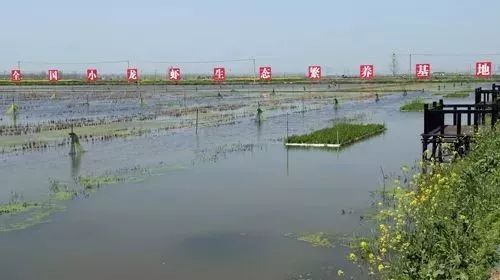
[16,208]
[443,224]
[61,192]
[416,105]
[19,214]
[93,182]
[319,239]
[340,133]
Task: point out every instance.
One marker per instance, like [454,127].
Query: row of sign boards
[366,72]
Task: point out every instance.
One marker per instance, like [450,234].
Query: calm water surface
[225,214]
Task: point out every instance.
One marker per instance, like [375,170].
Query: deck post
[454,115]
[197,121]
[477,95]
[469,115]
[424,147]
[494,114]
[483,114]
[440,149]
[434,147]
[426,116]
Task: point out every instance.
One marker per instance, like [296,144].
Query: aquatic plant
[415,105]
[319,239]
[94,182]
[258,117]
[442,224]
[61,192]
[17,207]
[76,147]
[12,109]
[39,214]
[221,151]
[340,133]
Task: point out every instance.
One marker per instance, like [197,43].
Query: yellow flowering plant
[440,224]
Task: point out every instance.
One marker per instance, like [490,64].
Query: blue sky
[287,35]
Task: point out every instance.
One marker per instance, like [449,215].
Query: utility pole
[409,73]
[154,84]
[394,64]
[254,71]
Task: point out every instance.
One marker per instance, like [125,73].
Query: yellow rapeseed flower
[380,267]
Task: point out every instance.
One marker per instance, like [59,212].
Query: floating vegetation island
[340,134]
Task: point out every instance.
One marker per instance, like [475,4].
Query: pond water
[226,209]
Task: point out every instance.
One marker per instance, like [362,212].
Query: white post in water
[286,126]
[196,121]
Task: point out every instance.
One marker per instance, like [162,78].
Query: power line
[199,61]
[451,54]
[73,63]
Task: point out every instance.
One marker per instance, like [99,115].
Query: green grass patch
[16,207]
[63,195]
[416,105]
[61,192]
[457,94]
[347,133]
[94,182]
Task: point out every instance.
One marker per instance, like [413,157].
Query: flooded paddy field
[226,201]
[46,114]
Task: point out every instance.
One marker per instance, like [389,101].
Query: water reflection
[14,119]
[76,160]
[287,162]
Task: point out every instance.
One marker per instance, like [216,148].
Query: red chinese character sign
[54,75]
[366,72]
[314,72]
[92,75]
[423,71]
[15,76]
[483,69]
[174,74]
[219,74]
[132,75]
[265,73]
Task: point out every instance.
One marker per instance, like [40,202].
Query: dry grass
[495,275]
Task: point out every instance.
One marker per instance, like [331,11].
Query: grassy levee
[459,94]
[242,80]
[347,133]
[444,224]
